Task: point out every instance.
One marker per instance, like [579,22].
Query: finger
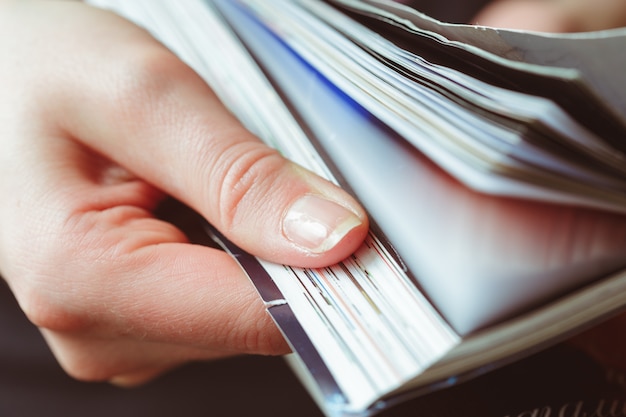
[137,378]
[554,16]
[122,362]
[535,15]
[116,290]
[150,112]
[95,258]
[164,294]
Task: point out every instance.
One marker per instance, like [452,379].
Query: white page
[367,341]
[597,56]
[452,147]
[496,100]
[479,258]
[448,219]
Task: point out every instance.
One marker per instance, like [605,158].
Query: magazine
[491,163]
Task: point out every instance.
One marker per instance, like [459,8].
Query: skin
[554,15]
[98,123]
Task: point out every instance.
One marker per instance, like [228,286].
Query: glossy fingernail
[317,224]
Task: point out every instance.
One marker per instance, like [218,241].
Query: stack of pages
[492,164]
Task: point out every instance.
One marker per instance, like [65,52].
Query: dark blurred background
[558,382]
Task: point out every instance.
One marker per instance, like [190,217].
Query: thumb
[152,114]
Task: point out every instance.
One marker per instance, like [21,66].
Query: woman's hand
[98,122]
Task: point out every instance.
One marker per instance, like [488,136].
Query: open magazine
[491,163]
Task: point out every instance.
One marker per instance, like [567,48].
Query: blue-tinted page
[480,259]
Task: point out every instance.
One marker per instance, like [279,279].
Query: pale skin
[554,15]
[98,122]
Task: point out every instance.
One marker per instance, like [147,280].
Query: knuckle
[42,282]
[46,311]
[145,80]
[84,370]
[83,366]
[247,171]
[253,331]
[265,340]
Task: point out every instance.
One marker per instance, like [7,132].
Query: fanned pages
[495,182]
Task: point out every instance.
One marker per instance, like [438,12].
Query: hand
[554,15]
[98,122]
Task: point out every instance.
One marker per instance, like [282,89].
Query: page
[479,258]
[567,86]
[484,155]
[354,325]
[492,110]
[597,57]
[363,327]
